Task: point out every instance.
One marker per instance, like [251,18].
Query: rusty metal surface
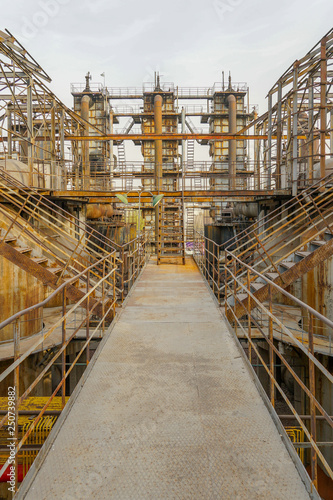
[42,274]
[290,276]
[168,409]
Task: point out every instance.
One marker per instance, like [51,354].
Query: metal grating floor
[169,410]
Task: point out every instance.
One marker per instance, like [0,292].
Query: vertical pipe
[158,167]
[30,129]
[256,156]
[310,127]
[269,143]
[54,179]
[62,135]
[183,182]
[263,185]
[279,131]
[63,174]
[9,133]
[85,103]
[323,84]
[232,143]
[289,142]
[111,147]
[183,147]
[158,142]
[295,131]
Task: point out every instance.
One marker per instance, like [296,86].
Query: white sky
[189,42]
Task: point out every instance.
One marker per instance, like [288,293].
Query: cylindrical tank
[97,211]
[249,210]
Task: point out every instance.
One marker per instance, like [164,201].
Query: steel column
[294,132]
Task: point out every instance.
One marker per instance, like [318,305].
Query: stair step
[302,254]
[241,296]
[10,240]
[272,276]
[328,235]
[257,286]
[23,249]
[287,264]
[54,270]
[318,243]
[39,260]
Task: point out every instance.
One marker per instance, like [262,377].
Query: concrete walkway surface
[169,409]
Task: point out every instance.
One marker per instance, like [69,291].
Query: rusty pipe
[158,167]
[158,142]
[232,144]
[85,104]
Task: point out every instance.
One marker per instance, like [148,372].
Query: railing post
[235,293]
[249,327]
[103,298]
[17,338]
[114,284]
[122,274]
[271,352]
[312,383]
[225,284]
[214,267]
[63,355]
[88,319]
[218,277]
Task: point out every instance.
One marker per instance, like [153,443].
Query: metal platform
[168,410]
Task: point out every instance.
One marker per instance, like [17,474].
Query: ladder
[171,238]
[190,163]
[127,178]
[189,224]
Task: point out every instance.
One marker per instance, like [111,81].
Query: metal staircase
[171,238]
[282,247]
[49,243]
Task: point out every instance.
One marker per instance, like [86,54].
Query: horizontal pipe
[171,137]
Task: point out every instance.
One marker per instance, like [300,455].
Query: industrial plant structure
[248,197]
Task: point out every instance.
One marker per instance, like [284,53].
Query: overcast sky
[189,42]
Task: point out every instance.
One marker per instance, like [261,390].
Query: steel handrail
[17,315]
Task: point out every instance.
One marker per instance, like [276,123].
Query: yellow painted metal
[40,433]
[296,435]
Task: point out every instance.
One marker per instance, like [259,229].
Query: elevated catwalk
[168,410]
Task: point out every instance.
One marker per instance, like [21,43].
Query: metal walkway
[168,410]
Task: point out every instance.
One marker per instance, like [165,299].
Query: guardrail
[118,272]
[231,270]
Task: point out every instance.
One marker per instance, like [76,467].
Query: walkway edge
[284,436]
[38,462]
